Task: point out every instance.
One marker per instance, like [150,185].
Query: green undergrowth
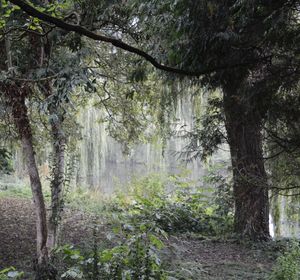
[141,216]
[21,191]
[132,254]
[175,205]
[147,212]
[141,221]
[288,263]
[10,273]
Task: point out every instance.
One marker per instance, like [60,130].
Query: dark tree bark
[244,126]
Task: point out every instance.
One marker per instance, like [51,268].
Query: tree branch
[30,10]
[34,80]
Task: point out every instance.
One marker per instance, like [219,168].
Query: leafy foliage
[207,133]
[181,209]
[10,274]
[288,264]
[142,216]
[135,257]
[5,161]
[152,207]
[283,142]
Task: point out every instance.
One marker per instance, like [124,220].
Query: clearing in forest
[192,257]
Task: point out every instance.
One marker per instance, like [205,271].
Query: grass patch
[22,191]
[16,191]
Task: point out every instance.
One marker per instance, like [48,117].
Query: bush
[288,264]
[151,207]
[183,212]
[135,257]
[174,206]
[173,203]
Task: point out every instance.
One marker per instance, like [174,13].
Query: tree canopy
[245,54]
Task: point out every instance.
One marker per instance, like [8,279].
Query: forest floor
[191,256]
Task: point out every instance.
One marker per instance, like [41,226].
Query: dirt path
[190,257]
[216,260]
[17,232]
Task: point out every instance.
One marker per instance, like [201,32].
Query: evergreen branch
[31,11]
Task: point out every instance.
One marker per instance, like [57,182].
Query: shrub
[135,257]
[183,211]
[174,206]
[288,264]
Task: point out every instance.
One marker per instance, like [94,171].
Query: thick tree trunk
[20,116]
[244,125]
[57,183]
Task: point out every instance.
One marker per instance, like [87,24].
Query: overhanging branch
[85,32]
[30,10]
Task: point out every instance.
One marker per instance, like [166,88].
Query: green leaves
[10,274]
[73,273]
[5,161]
[288,264]
[156,241]
[34,24]
[135,258]
[184,209]
[6,11]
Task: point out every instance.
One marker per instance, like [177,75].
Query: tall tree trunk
[244,126]
[17,97]
[57,183]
